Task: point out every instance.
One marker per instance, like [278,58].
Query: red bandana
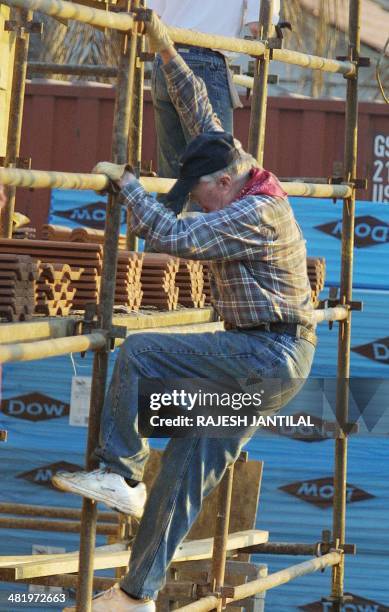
[262,182]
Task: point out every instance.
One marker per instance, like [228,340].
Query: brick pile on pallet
[88,234]
[158,281]
[18,275]
[317,275]
[206,285]
[56,232]
[77,234]
[76,255]
[22,233]
[55,288]
[190,281]
[128,290]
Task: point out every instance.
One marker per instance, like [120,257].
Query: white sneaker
[116,600]
[106,487]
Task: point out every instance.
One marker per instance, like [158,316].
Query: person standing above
[221,17]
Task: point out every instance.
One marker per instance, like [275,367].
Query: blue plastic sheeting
[18,487]
[87,208]
[80,209]
[321,222]
[287,517]
[290,518]
[369,334]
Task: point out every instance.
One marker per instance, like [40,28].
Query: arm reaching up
[188,93]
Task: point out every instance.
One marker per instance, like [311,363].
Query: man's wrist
[127,179]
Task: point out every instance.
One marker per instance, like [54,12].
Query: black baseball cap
[206,153]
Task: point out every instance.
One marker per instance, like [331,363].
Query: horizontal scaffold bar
[304,60]
[40,179]
[44,524]
[71,10]
[98,182]
[339,313]
[28,351]
[212,41]
[54,512]
[264,584]
[124,22]
[81,70]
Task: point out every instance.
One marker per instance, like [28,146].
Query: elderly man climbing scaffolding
[259,288]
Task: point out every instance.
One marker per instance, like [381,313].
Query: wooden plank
[188,551]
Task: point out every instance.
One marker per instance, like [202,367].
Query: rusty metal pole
[219,553]
[122,114]
[342,395]
[259,99]
[136,125]
[21,17]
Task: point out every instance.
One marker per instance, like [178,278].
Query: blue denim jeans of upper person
[191,467]
[171,133]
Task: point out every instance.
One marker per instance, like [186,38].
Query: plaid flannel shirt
[255,247]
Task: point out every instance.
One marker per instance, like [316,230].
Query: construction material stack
[56,232]
[86,256]
[18,275]
[55,288]
[316,273]
[128,290]
[190,281]
[158,281]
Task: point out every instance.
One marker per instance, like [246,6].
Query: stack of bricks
[158,281]
[22,233]
[55,292]
[96,236]
[206,285]
[56,232]
[317,273]
[18,275]
[128,290]
[78,234]
[190,281]
[86,256]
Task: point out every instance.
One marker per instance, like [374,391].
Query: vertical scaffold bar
[342,395]
[136,126]
[123,102]
[16,111]
[219,552]
[259,99]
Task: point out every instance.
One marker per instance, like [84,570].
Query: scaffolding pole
[259,102]
[205,604]
[22,19]
[134,154]
[346,280]
[123,101]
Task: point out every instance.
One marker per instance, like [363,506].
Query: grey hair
[239,168]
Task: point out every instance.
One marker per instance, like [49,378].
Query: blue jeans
[191,467]
[171,133]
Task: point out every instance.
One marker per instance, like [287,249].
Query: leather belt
[293,329]
[190,47]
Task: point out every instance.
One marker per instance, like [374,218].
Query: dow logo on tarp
[34,407]
[320,492]
[357,604]
[369,231]
[42,475]
[378,350]
[91,215]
